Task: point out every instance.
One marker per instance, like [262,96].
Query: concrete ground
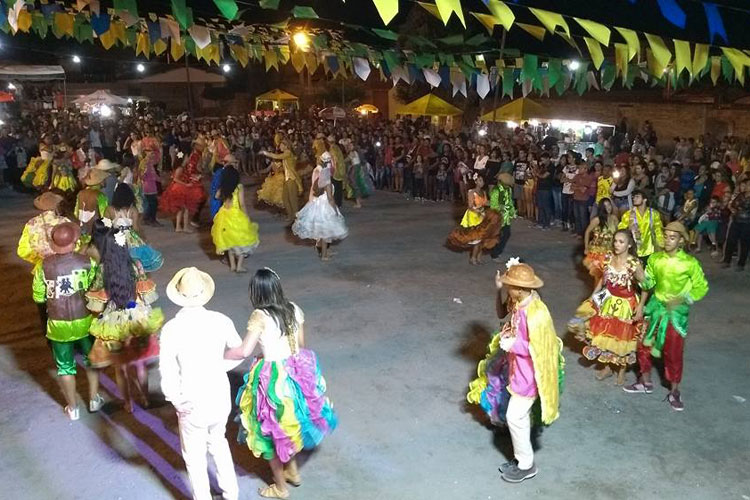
[398,351]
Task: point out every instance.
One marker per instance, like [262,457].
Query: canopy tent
[278,99]
[6,97]
[101,97]
[180,75]
[366,109]
[429,105]
[21,72]
[518,110]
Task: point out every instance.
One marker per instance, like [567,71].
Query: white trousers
[197,438]
[518,417]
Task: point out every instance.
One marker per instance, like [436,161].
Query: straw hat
[677,227]
[47,201]
[95,177]
[190,287]
[326,157]
[106,165]
[63,237]
[523,276]
[505,178]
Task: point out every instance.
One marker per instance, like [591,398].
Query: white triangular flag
[432,77]
[483,85]
[361,67]
[201,36]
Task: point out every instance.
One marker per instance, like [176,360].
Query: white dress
[318,220]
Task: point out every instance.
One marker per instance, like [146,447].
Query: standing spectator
[545,175]
[583,183]
[739,228]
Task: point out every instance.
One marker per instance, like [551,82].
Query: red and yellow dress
[611,335]
[599,246]
[479,226]
[189,192]
[37,172]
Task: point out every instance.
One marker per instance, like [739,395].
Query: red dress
[189,195]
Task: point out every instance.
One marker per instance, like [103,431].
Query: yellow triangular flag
[213,53]
[502,13]
[64,23]
[284,54]
[654,66]
[269,56]
[595,49]
[118,30]
[448,7]
[700,58]
[551,20]
[570,41]
[142,45]
[298,61]
[176,50]
[431,8]
[715,68]
[311,61]
[24,21]
[738,60]
[159,47]
[535,31]
[107,39]
[682,57]
[631,38]
[622,55]
[239,53]
[487,21]
[659,51]
[387,9]
[598,32]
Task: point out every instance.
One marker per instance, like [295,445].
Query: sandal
[273,491]
[293,477]
[603,374]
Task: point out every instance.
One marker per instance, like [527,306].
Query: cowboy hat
[47,201]
[522,276]
[505,178]
[190,287]
[95,177]
[106,165]
[63,237]
[677,227]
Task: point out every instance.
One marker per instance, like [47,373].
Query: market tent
[20,72]
[101,97]
[429,105]
[276,97]
[180,75]
[517,111]
[6,97]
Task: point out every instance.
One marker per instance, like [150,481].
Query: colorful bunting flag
[536,31]
[448,7]
[501,12]
[551,20]
[387,10]
[595,49]
[631,38]
[700,58]
[598,32]
[228,8]
[682,57]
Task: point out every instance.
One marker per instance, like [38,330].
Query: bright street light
[105,111]
[226,68]
[301,40]
[76,59]
[11,86]
[141,68]
[482,132]
[574,65]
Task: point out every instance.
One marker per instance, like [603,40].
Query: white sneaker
[96,404]
[72,413]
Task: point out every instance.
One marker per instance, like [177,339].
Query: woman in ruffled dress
[126,325]
[597,240]
[480,227]
[282,404]
[125,217]
[320,219]
[233,232]
[611,334]
[184,196]
[37,172]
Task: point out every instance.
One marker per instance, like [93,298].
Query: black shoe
[516,475]
[507,465]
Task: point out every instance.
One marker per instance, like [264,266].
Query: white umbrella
[101,97]
[332,113]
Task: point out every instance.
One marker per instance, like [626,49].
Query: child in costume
[597,240]
[501,201]
[126,325]
[233,232]
[612,333]
[531,373]
[675,281]
[708,225]
[214,203]
[63,178]
[320,219]
[36,174]
[60,281]
[479,228]
[125,217]
[283,404]
[185,195]
[91,203]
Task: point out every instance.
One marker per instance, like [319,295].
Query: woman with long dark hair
[233,232]
[597,239]
[126,326]
[283,404]
[125,217]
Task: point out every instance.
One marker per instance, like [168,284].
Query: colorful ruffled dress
[131,330]
[63,178]
[150,258]
[318,219]
[271,191]
[37,171]
[360,184]
[283,407]
[233,230]
[599,245]
[611,336]
[490,389]
[478,226]
[188,193]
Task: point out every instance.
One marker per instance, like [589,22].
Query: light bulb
[76,59]
[301,40]
[574,65]
[140,67]
[226,68]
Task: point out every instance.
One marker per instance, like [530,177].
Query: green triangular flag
[477,40]
[425,60]
[190,46]
[582,81]
[182,13]
[39,24]
[269,4]
[126,5]
[554,71]
[608,76]
[452,40]
[320,42]
[228,8]
[391,60]
[509,81]
[304,12]
[562,85]
[530,67]
[387,34]
[726,69]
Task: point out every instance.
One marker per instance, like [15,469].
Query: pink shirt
[522,382]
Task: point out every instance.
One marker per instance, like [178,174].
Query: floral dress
[599,246]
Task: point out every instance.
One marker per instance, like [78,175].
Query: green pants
[290,198]
[64,354]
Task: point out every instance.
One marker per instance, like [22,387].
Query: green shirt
[501,201]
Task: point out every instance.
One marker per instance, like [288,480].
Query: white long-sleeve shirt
[192,365]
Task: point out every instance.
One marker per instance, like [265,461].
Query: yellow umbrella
[429,105]
[517,111]
[366,109]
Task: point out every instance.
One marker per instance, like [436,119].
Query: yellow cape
[545,347]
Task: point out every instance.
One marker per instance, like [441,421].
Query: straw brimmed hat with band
[522,276]
[677,227]
[47,201]
[190,287]
[106,165]
[95,177]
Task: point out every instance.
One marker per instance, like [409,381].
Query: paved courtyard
[399,323]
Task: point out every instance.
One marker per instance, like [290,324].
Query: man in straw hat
[501,201]
[536,365]
[60,281]
[194,380]
[34,244]
[675,280]
[109,183]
